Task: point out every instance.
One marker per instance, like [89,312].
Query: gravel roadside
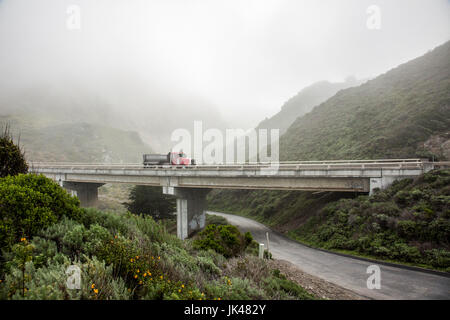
[319,287]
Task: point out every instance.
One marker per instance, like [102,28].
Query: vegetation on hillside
[392,116]
[303,102]
[120,255]
[407,222]
[51,140]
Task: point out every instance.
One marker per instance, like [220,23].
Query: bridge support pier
[86,192]
[191,205]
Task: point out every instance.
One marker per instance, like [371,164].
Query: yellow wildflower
[93,286]
[96,291]
[135,276]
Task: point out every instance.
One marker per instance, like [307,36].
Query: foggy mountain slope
[303,102]
[75,142]
[130,106]
[392,116]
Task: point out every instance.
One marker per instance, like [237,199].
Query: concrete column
[87,193]
[191,205]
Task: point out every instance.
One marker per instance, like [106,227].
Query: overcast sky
[244,57]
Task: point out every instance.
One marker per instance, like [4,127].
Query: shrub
[29,203]
[224,239]
[12,159]
[439,258]
[49,282]
[407,229]
[234,289]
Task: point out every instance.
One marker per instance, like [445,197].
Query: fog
[145,65]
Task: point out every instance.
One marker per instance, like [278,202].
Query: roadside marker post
[261,250]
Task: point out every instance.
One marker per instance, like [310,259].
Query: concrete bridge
[191,184]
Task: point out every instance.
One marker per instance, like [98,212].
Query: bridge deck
[337,175]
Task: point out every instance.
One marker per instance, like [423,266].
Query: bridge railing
[283,165]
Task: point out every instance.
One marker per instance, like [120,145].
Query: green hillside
[407,222]
[389,116]
[303,102]
[402,113]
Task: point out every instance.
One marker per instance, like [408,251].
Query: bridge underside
[87,193]
[351,184]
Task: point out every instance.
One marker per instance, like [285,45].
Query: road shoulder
[319,287]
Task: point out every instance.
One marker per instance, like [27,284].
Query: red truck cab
[180,158]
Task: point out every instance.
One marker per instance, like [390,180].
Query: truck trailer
[171,158]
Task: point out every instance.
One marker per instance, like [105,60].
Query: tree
[12,158]
[151,201]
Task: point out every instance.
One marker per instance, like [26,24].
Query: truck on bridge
[171,158]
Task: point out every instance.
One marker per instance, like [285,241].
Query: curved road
[350,273]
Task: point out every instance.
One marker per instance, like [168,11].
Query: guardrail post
[261,251]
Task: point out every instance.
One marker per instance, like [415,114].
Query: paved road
[396,283]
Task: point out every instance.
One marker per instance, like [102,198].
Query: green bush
[29,203]
[439,258]
[224,239]
[12,159]
[407,228]
[49,282]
